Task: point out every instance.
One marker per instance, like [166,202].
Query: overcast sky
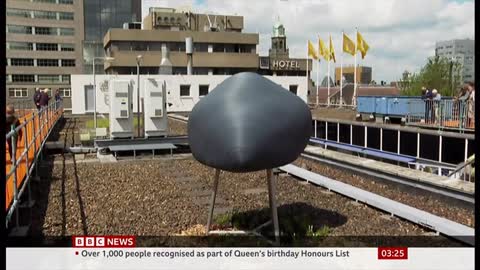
[401,33]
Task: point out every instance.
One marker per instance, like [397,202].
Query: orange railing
[35,127]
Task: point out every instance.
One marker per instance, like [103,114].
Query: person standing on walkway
[58,99]
[436,105]
[36,98]
[44,98]
[12,121]
[471,104]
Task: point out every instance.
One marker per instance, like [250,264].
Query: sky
[401,33]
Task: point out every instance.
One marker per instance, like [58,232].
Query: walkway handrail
[35,128]
[444,113]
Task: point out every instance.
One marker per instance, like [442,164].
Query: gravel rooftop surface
[438,205]
[169,197]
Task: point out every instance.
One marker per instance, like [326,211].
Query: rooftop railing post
[13,158]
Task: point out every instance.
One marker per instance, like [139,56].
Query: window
[293,88]
[47,63]
[21,46]
[66,2]
[19,29]
[46,1]
[203,90]
[66,78]
[67,47]
[18,12]
[68,62]
[185,90]
[66,16]
[18,92]
[47,47]
[65,92]
[21,62]
[48,15]
[23,78]
[67,31]
[45,31]
[48,79]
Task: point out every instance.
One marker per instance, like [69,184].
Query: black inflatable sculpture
[248,123]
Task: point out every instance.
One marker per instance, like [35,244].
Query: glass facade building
[99,17]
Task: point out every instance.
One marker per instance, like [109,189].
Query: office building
[100,16]
[177,41]
[461,51]
[43,46]
[364,74]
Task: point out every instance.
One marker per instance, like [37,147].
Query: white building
[183,91]
[461,51]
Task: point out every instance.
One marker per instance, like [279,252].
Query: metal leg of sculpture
[212,200]
[273,205]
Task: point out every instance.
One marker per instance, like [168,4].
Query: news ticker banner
[119,252]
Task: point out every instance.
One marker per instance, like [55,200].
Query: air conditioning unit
[155,106]
[121,116]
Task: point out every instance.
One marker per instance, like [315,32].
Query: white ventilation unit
[155,105]
[121,117]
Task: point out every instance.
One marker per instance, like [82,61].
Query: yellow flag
[322,50]
[362,45]
[348,45]
[332,51]
[311,51]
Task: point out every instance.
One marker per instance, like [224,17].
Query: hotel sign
[285,64]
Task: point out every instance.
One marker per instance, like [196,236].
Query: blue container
[381,107]
[416,107]
[398,106]
[366,104]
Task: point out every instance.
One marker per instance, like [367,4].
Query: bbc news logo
[116,241]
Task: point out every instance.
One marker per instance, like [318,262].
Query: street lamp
[139,59]
[107,58]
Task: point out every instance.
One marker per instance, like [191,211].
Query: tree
[438,73]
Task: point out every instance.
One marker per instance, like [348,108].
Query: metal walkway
[454,188]
[35,128]
[440,225]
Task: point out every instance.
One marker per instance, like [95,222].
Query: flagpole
[328,75]
[341,73]
[306,73]
[317,84]
[354,98]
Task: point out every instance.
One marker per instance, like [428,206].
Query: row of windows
[203,90]
[180,47]
[185,90]
[42,62]
[40,14]
[64,2]
[23,92]
[56,31]
[29,78]
[28,46]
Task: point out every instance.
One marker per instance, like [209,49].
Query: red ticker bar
[112,241]
[393,253]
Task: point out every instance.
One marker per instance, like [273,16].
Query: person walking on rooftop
[11,121]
